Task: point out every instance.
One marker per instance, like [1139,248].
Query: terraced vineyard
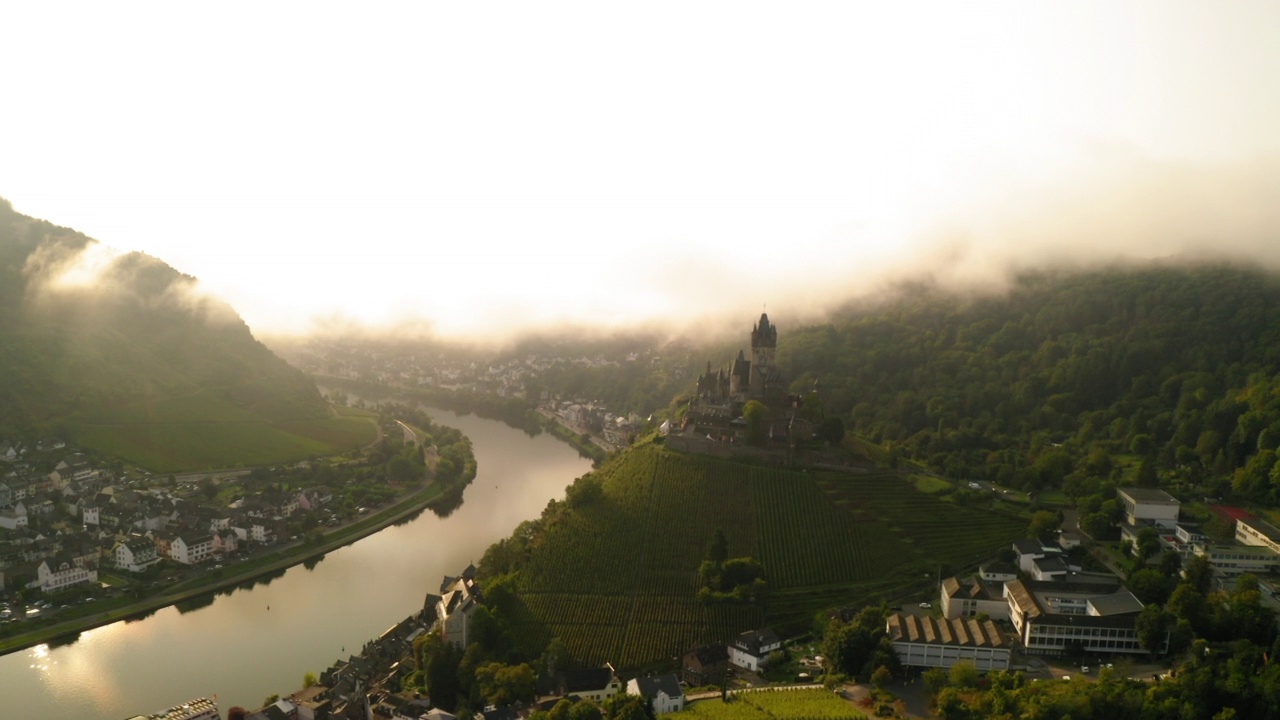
[616,578]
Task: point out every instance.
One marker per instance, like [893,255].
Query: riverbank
[275,560]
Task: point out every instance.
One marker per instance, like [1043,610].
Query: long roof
[942,631]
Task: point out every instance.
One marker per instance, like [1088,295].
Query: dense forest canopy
[1065,375]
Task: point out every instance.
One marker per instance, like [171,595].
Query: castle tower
[764,341]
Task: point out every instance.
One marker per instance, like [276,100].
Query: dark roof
[1264,528]
[1028,546]
[667,684]
[1148,495]
[576,681]
[709,654]
[752,640]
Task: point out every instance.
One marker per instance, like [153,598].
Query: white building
[1258,532]
[1229,561]
[922,641]
[1056,617]
[12,518]
[60,572]
[192,548]
[750,650]
[663,692]
[459,598]
[1155,506]
[972,596]
[135,554]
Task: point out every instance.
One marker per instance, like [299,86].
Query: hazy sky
[484,166]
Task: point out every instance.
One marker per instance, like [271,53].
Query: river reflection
[259,639]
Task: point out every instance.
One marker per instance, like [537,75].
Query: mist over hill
[88,334]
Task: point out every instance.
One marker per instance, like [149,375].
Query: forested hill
[1067,377]
[84,332]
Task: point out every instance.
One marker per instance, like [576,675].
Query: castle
[713,420]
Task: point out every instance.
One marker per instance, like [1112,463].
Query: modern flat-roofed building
[923,641]
[1229,561]
[1156,506]
[1258,532]
[1057,617]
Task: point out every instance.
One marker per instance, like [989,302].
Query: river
[257,642]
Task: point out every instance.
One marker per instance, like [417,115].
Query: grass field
[616,579]
[930,484]
[797,704]
[204,430]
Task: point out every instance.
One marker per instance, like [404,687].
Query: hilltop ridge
[121,351]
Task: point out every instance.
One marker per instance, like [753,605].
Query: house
[704,665]
[750,650]
[1156,506]
[973,596]
[135,554]
[594,684]
[60,571]
[13,517]
[225,542]
[191,547]
[923,641]
[1056,617]
[663,692]
[459,597]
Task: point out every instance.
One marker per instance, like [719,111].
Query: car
[926,605]
[974,486]
[1084,669]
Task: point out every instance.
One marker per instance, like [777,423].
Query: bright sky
[488,166]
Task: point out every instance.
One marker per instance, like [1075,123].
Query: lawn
[930,484]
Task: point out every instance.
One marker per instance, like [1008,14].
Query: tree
[401,469]
[1148,543]
[963,674]
[505,684]
[757,416]
[310,680]
[831,431]
[1152,625]
[209,489]
[881,677]
[935,679]
[1043,526]
[1095,525]
[627,707]
[1146,475]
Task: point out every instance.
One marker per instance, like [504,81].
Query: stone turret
[764,341]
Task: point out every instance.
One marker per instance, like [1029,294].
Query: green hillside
[122,353]
[1067,379]
[612,571]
